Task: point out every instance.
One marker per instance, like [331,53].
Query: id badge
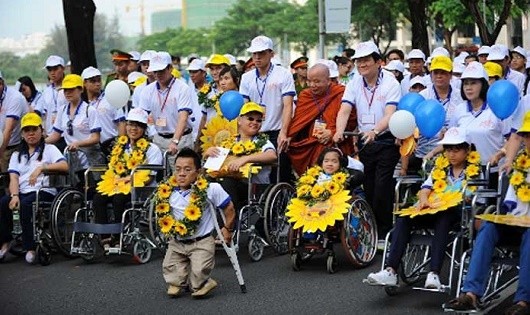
[150,120]
[318,127]
[161,122]
[368,119]
[54,117]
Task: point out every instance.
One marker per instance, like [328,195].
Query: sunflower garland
[318,204]
[518,178]
[204,99]
[216,131]
[443,197]
[187,226]
[114,180]
[240,148]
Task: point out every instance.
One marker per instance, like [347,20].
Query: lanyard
[54,96]
[4,92]
[366,87]
[264,83]
[98,100]
[324,103]
[476,114]
[163,104]
[447,100]
[76,110]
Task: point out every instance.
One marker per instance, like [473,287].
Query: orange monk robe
[304,148]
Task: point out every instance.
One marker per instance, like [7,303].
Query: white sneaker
[30,257]
[383,277]
[381,245]
[433,281]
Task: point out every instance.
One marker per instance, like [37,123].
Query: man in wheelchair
[490,234]
[450,176]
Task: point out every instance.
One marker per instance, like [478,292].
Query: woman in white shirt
[26,167]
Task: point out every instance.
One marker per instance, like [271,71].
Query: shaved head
[318,79]
[319,69]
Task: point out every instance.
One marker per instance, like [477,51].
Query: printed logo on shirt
[489,124]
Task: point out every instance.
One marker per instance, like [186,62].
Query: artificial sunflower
[438,174]
[439,186]
[307,180]
[314,171]
[441,162]
[438,201]
[333,187]
[166,223]
[517,178]
[472,170]
[192,213]
[162,208]
[123,140]
[181,229]
[339,177]
[216,131]
[164,191]
[317,191]
[507,219]
[523,193]
[202,183]
[523,161]
[303,190]
[473,157]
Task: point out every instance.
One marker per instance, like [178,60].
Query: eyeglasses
[258,120]
[70,128]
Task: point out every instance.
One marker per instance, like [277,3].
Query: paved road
[118,286]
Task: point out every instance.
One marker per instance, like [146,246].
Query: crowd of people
[290,114]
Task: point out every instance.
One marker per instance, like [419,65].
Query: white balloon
[117,93]
[402,124]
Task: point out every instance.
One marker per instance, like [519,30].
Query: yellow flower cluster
[186,226]
[239,148]
[441,170]
[518,178]
[116,179]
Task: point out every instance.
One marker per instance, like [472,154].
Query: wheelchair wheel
[154,231]
[359,234]
[296,261]
[276,226]
[44,254]
[414,263]
[332,264]
[256,247]
[91,247]
[64,206]
[142,251]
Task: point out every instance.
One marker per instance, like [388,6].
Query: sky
[43,15]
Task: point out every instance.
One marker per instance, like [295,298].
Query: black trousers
[380,160]
[286,173]
[100,202]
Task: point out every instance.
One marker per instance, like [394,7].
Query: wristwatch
[175,141]
[13,195]
[376,131]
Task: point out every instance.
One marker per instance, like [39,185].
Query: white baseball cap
[90,72]
[454,136]
[159,61]
[137,114]
[463,55]
[332,66]
[498,52]
[1,77]
[417,80]
[197,64]
[458,67]
[521,51]
[53,61]
[133,76]
[484,50]
[232,59]
[365,49]
[475,70]
[147,55]
[395,65]
[440,51]
[416,54]
[260,43]
[135,55]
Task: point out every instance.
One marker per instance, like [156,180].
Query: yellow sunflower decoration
[217,131]
[442,196]
[507,219]
[116,179]
[187,225]
[318,205]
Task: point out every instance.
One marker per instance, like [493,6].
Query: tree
[179,41]
[79,21]
[107,36]
[448,15]
[157,41]
[417,15]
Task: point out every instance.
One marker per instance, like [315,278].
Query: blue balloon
[503,98]
[430,117]
[410,102]
[230,104]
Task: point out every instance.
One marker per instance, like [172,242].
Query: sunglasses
[259,120]
[70,128]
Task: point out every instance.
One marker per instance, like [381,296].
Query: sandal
[463,303]
[518,309]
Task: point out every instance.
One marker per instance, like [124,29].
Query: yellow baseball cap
[217,59]
[176,73]
[526,124]
[72,81]
[493,69]
[30,120]
[139,81]
[251,107]
[441,63]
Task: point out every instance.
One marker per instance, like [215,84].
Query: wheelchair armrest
[409,179]
[100,168]
[486,193]
[274,164]
[55,173]
[478,182]
[150,167]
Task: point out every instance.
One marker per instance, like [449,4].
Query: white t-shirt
[137,93]
[53,102]
[108,117]
[24,168]
[515,206]
[371,103]
[165,105]
[405,83]
[179,200]
[37,101]
[518,116]
[516,78]
[483,129]
[84,123]
[450,104]
[269,92]
[12,105]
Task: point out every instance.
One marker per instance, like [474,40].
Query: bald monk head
[318,79]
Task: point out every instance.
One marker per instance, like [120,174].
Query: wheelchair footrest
[443,289]
[97,228]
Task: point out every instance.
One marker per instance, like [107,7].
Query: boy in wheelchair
[490,234]
[450,176]
[190,256]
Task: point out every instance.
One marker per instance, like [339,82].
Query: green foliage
[179,41]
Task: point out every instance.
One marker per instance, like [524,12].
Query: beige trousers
[189,263]
[163,144]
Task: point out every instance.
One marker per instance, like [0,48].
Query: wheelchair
[503,272]
[415,261]
[85,239]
